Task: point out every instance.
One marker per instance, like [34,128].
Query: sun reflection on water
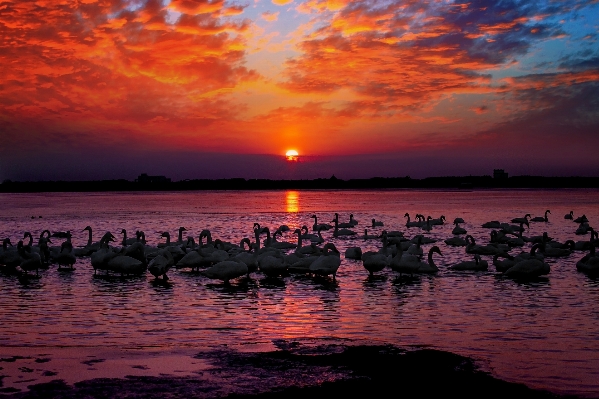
[292,201]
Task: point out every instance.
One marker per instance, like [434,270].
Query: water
[542,333]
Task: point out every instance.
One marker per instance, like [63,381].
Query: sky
[107,89]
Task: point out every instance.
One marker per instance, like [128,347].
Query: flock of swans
[309,254]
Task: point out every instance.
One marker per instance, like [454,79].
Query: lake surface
[542,333]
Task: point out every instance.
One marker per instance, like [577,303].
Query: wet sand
[285,369]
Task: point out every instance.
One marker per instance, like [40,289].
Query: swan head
[181,229]
[435,249]
[297,231]
[123,231]
[88,228]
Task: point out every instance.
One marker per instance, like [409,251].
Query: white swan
[429,267]
[341,232]
[328,262]
[226,270]
[30,260]
[412,224]
[457,230]
[377,223]
[541,219]
[323,226]
[342,225]
[531,267]
[353,253]
[161,264]
[456,242]
[589,263]
[66,256]
[477,264]
[472,248]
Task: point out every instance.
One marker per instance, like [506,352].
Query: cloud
[270,16]
[281,2]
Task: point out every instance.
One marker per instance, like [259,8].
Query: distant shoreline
[333,183]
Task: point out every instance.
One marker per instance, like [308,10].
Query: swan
[412,224]
[552,252]
[586,245]
[30,261]
[161,264]
[541,219]
[353,253]
[9,257]
[569,216]
[125,264]
[404,263]
[522,220]
[66,256]
[318,239]
[429,267]
[248,257]
[376,223]
[458,220]
[306,235]
[416,249]
[439,221]
[493,224]
[428,225]
[456,242]
[272,265]
[302,265]
[226,270]
[127,241]
[581,219]
[582,229]
[352,221]
[457,230]
[589,263]
[375,261]
[328,262]
[342,225]
[322,226]
[513,229]
[343,232]
[531,267]
[273,243]
[477,264]
[367,236]
[503,265]
[472,248]
[101,257]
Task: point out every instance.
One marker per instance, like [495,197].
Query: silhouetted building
[144,178]
[499,174]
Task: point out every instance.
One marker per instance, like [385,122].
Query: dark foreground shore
[297,371]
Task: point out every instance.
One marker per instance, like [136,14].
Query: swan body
[589,263]
[341,232]
[416,223]
[226,270]
[569,216]
[456,242]
[477,264]
[272,266]
[531,267]
[376,223]
[493,224]
[353,253]
[367,236]
[430,266]
[161,264]
[404,263]
[30,261]
[581,219]
[124,264]
[323,226]
[522,220]
[541,219]
[457,230]
[66,256]
[439,221]
[472,248]
[328,262]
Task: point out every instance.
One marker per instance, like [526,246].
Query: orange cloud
[270,16]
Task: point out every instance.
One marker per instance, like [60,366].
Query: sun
[292,155]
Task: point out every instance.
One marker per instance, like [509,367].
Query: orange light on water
[292,202]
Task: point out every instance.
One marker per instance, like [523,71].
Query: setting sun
[292,155]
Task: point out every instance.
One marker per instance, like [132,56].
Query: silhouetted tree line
[448,182]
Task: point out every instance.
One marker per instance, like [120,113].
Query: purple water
[542,333]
